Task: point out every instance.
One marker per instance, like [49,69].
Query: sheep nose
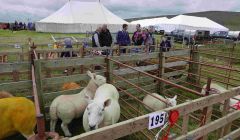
[92,127]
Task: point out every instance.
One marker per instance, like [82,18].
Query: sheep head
[172,101]
[97,79]
[95,112]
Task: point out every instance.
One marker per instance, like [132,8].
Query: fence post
[31,56]
[207,111]
[38,74]
[15,76]
[193,67]
[81,56]
[225,130]
[41,127]
[161,85]
[48,73]
[109,70]
[185,124]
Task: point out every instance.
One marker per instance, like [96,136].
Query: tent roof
[83,12]
[193,21]
[152,21]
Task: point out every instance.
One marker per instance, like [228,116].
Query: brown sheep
[71,85]
[4,94]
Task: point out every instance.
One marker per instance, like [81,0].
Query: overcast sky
[37,9]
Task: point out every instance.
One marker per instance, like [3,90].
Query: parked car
[219,34]
[161,32]
[202,35]
[4,26]
[233,35]
[190,36]
[177,34]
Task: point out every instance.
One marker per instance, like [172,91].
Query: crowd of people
[103,38]
[142,36]
[17,26]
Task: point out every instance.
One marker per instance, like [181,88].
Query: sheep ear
[107,103]
[166,97]
[90,74]
[175,97]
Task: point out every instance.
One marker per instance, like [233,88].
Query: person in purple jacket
[123,38]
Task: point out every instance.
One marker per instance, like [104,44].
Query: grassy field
[21,37]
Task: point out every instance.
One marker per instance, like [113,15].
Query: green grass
[21,37]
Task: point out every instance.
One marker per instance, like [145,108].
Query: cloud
[142,8]
[37,9]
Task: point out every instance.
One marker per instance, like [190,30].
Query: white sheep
[214,89]
[68,107]
[103,110]
[217,89]
[157,104]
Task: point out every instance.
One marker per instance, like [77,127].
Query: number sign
[156,120]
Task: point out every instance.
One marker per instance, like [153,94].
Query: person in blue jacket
[123,38]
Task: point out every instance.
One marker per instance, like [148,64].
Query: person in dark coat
[165,45]
[123,38]
[105,39]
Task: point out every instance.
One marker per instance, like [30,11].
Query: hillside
[228,19]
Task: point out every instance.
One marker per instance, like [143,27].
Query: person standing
[105,38]
[137,36]
[150,39]
[53,55]
[165,45]
[144,36]
[123,38]
[96,43]
[68,45]
[96,37]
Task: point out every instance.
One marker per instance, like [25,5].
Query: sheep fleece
[17,115]
[154,103]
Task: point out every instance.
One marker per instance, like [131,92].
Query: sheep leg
[113,120]
[65,129]
[53,125]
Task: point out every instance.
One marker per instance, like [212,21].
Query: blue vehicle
[219,34]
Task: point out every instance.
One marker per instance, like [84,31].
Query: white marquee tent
[183,22]
[81,17]
[150,22]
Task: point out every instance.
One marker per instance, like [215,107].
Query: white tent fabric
[150,22]
[183,22]
[80,17]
